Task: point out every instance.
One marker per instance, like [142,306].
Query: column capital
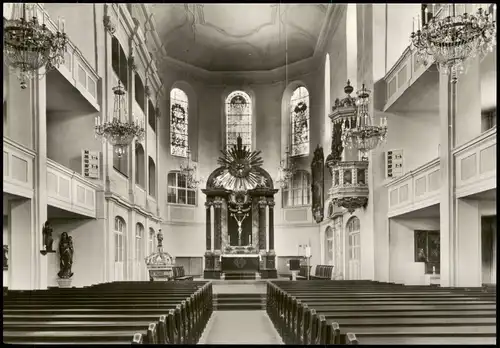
[208,204]
[271,203]
[262,202]
[217,202]
[109,25]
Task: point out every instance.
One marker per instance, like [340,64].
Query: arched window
[139,251]
[238,118]
[140,172]
[179,139]
[120,235]
[354,254]
[140,96]
[152,115]
[152,177]
[329,246]
[177,190]
[151,241]
[299,118]
[297,192]
[119,62]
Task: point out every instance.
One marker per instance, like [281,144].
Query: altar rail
[67,190]
[476,164]
[415,190]
[18,164]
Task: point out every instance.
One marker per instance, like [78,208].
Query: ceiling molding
[295,70]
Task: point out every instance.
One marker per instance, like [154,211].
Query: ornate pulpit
[242,196]
[160,263]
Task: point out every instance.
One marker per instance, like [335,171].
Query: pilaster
[130,110]
[446,202]
[39,103]
[262,224]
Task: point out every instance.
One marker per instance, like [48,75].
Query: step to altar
[241,276]
[239,302]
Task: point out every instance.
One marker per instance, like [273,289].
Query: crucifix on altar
[240,200]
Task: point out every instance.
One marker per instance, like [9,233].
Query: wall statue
[318,184]
[66,252]
[47,237]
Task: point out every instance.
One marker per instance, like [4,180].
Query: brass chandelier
[365,135]
[453,39]
[188,170]
[120,133]
[29,45]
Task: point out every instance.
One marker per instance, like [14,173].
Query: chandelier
[188,170]
[118,133]
[454,39]
[29,45]
[365,135]
[286,170]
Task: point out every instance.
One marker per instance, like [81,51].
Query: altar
[243,263]
[240,200]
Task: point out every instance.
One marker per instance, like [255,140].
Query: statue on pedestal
[65,256]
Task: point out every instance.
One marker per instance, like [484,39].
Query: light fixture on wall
[29,45]
[365,135]
[286,170]
[452,39]
[120,133]
[188,170]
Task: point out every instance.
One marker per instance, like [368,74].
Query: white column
[447,171]
[23,252]
[39,104]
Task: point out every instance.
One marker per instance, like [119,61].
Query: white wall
[88,258]
[403,268]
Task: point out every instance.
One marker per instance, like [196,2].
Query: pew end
[137,338]
[351,338]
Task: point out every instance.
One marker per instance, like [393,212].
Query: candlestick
[58,23]
[413,25]
[418,22]
[63,22]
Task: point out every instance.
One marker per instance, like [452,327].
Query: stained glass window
[238,118]
[299,109]
[179,141]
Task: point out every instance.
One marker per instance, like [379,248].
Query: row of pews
[369,312]
[111,313]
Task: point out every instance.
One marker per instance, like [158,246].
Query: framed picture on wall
[5,257]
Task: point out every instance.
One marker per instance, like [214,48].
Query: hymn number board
[394,164]
[90,164]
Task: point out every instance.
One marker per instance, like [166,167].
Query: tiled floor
[240,327]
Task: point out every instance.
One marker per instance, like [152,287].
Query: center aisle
[240,327]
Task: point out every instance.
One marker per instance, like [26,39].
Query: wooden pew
[323,272]
[179,273]
[41,314]
[294,318]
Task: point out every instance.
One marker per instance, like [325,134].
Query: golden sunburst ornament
[240,168]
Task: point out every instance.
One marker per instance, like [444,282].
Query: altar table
[240,263]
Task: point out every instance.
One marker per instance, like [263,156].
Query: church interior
[249,173]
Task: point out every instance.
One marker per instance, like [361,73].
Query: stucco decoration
[318,184]
[241,37]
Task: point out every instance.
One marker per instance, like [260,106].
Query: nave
[305,312]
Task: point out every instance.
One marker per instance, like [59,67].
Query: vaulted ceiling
[240,37]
